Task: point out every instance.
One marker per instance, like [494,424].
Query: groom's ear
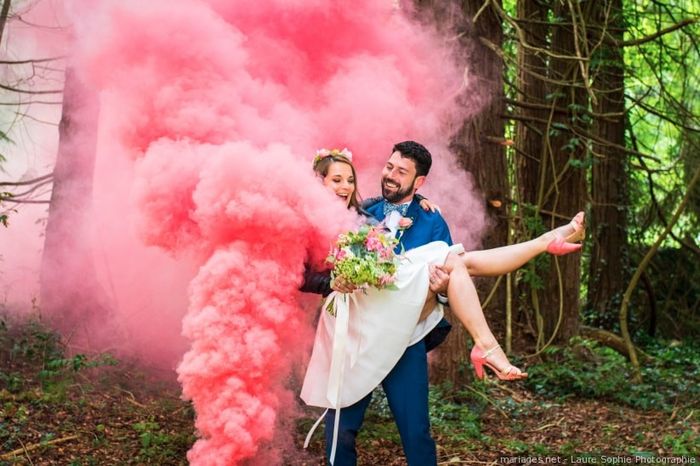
[419,182]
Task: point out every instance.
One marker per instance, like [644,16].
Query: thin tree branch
[667,118]
[536,106]
[34,60]
[656,35]
[26,91]
[29,102]
[30,190]
[27,182]
[23,201]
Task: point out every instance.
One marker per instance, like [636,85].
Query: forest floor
[56,410]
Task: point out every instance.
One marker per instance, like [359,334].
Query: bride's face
[340,180]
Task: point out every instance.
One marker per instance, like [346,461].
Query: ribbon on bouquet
[341,303]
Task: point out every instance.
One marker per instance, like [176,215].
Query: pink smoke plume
[218,106]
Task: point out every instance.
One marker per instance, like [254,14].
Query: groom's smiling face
[399,180]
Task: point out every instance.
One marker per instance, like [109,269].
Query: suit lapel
[377,210]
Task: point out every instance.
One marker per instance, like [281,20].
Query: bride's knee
[454,262]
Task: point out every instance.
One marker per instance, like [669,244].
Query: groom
[406,386]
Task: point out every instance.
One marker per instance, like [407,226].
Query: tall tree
[558,169]
[481,152]
[70,294]
[608,268]
[531,111]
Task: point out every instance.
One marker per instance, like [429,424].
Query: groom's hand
[438,279]
[341,286]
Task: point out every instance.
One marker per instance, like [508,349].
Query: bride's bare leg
[464,302]
[499,261]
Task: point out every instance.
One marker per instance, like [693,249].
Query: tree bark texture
[530,129]
[559,173]
[609,267]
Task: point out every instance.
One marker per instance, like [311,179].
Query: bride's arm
[316,282]
[321,283]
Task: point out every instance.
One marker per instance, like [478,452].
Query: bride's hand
[341,286]
[429,206]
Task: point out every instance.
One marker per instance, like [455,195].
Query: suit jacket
[426,228]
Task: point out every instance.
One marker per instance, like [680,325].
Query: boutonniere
[405,223]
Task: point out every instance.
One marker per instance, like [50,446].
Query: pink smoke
[210,114]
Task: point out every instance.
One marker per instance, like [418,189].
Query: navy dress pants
[406,388]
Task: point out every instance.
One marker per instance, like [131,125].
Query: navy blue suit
[406,386]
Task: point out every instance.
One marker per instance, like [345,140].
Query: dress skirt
[356,349]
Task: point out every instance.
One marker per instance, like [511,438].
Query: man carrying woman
[392,331]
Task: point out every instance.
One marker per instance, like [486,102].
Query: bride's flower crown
[323,153]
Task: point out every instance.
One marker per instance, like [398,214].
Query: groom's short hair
[416,152]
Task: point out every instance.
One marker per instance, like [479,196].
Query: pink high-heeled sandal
[560,246]
[479,357]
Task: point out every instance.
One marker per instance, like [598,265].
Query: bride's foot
[565,236]
[496,360]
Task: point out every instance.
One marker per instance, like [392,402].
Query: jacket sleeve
[369,202]
[441,232]
[316,282]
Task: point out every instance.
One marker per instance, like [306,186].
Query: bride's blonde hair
[323,163]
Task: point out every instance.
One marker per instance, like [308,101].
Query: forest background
[595,108]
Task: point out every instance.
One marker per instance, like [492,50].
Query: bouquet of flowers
[364,258]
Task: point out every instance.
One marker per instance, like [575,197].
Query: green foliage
[533,226]
[36,345]
[380,417]
[158,445]
[456,414]
[585,368]
[38,380]
[674,276]
[687,443]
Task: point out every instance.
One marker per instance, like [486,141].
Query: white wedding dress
[355,350]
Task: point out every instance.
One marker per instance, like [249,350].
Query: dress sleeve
[316,282]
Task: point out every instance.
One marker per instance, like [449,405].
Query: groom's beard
[395,195]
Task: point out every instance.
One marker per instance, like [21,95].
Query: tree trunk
[71,299]
[609,271]
[531,109]
[566,180]
[480,153]
[557,175]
